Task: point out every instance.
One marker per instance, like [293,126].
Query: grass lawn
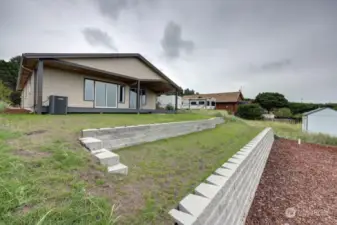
[46,177]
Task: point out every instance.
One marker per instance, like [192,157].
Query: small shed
[321,120]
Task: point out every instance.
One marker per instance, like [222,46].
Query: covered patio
[32,65]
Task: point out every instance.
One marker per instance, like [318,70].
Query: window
[105,95]
[193,103]
[121,94]
[208,103]
[29,84]
[142,96]
[25,91]
[133,97]
[213,103]
[201,102]
[88,90]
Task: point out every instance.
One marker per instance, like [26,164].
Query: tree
[189,92]
[283,113]
[9,75]
[5,93]
[250,111]
[270,100]
[9,71]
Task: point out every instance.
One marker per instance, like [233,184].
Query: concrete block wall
[101,141]
[119,137]
[225,196]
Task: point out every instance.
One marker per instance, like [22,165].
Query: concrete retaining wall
[119,137]
[226,196]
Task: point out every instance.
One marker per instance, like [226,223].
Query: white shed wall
[324,121]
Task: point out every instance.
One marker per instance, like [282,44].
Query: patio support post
[138,96]
[176,101]
[35,88]
[39,82]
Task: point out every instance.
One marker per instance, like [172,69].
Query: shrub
[169,107]
[158,106]
[15,97]
[283,113]
[250,111]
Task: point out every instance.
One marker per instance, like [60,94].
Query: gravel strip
[298,186]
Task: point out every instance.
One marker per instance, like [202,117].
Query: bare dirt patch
[298,186]
[31,154]
[35,132]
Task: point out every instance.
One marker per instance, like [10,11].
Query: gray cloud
[112,8]
[97,37]
[271,66]
[284,46]
[172,42]
[276,65]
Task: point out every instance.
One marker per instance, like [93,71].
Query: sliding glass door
[105,95]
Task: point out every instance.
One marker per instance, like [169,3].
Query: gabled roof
[315,111]
[99,55]
[220,97]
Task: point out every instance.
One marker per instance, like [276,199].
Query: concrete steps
[119,168]
[105,157]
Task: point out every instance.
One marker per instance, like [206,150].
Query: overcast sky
[286,46]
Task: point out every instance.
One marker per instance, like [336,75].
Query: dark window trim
[119,86]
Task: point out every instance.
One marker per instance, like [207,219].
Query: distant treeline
[299,108]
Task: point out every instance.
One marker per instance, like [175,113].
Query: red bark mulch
[298,186]
[16,111]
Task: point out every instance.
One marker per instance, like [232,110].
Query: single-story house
[227,100]
[191,102]
[321,120]
[91,83]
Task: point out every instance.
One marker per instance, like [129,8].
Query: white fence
[226,196]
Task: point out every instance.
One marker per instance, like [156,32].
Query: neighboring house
[322,120]
[227,100]
[192,102]
[165,100]
[92,82]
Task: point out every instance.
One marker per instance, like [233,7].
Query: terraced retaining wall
[226,196]
[119,137]
[100,142]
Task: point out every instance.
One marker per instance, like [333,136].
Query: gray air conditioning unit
[58,105]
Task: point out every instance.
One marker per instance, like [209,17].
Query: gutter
[19,75]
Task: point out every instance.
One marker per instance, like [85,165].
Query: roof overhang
[29,62]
